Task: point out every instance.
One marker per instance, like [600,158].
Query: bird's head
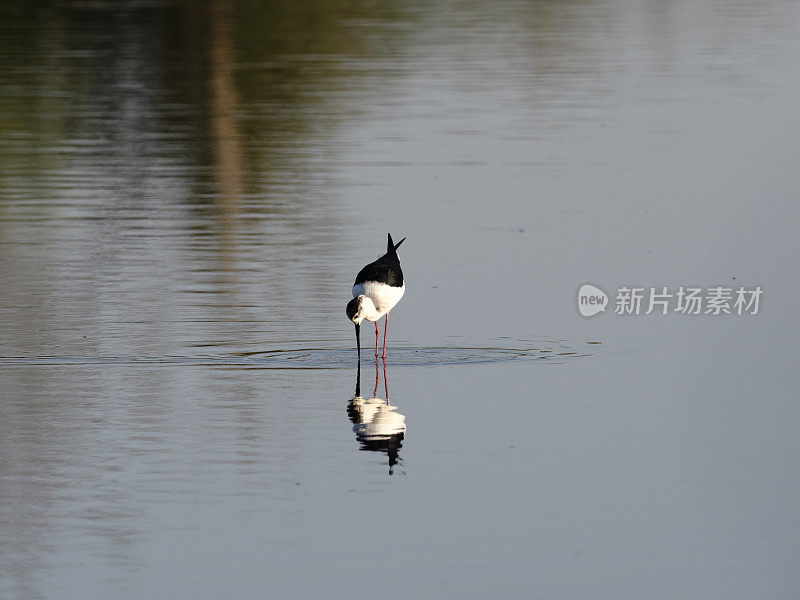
[358,308]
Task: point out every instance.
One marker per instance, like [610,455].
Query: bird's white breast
[383,296]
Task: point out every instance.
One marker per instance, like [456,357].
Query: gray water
[187,191]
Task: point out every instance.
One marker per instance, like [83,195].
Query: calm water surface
[186,193]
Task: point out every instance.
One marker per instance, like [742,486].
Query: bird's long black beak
[358,342]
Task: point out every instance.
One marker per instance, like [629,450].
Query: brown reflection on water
[225,102]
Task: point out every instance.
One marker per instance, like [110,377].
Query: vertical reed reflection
[229,170]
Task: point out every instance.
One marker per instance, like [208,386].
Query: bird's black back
[384,270]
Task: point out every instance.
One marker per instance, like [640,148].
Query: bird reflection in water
[377,424]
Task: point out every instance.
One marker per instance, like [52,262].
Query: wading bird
[378,287]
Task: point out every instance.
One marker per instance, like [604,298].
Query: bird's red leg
[377,380]
[385,382]
[385,331]
[377,335]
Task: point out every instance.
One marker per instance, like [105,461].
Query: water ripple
[314,358]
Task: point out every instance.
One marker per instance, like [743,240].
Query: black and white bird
[378,287]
